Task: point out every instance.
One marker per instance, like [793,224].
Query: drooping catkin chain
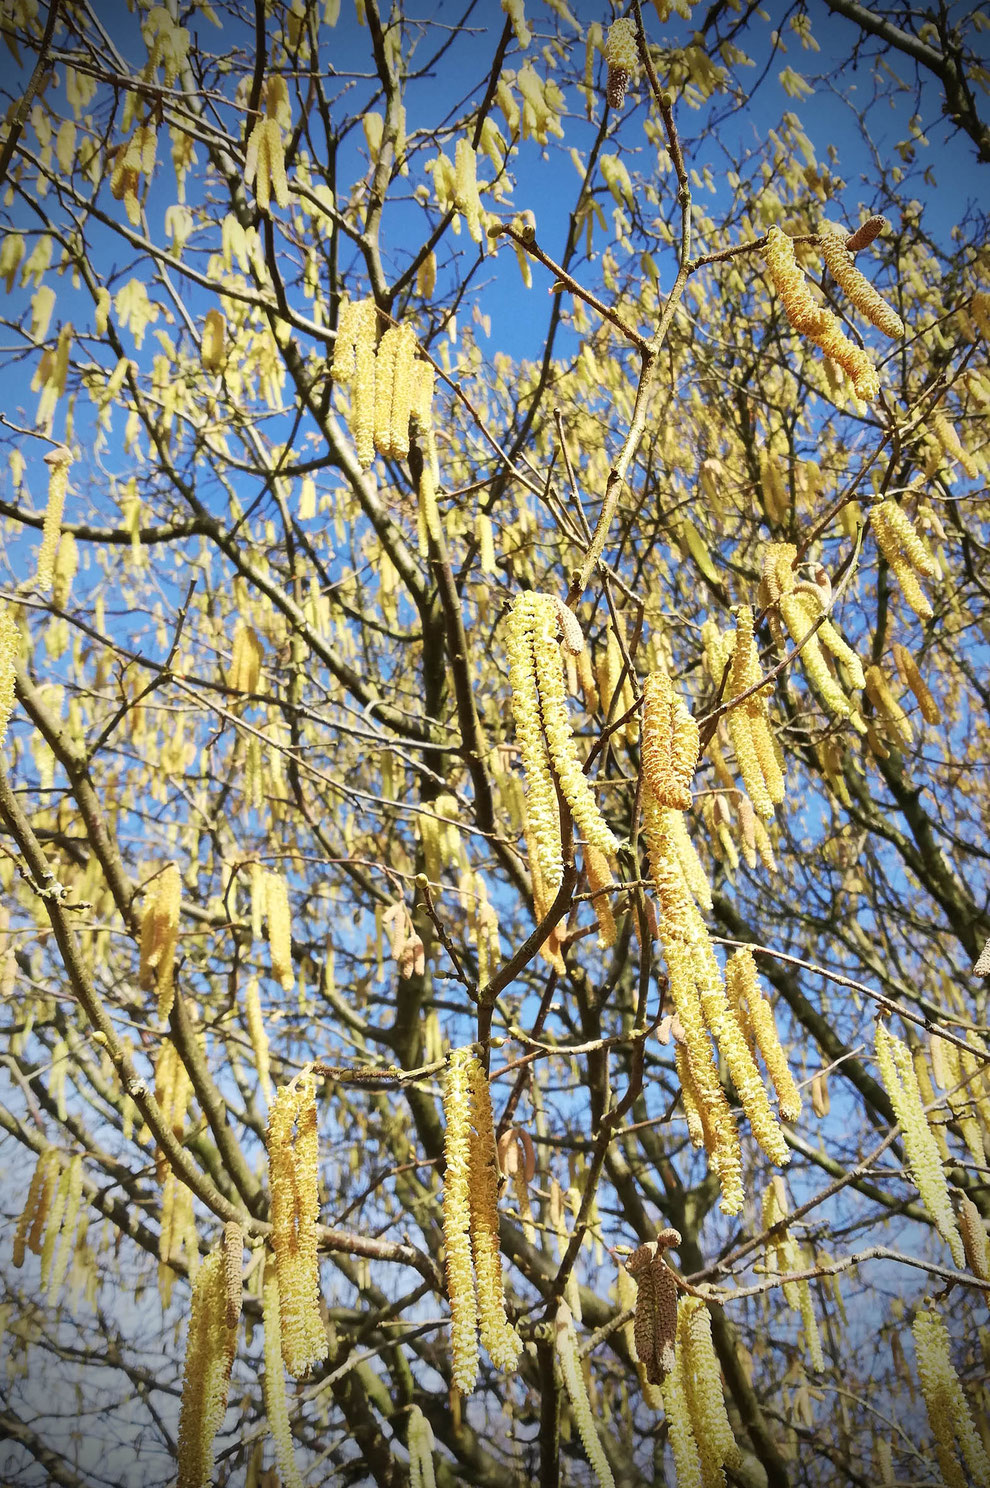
[353,366]
[885,704]
[62,1254]
[749,724]
[34,1216]
[717,1447]
[279,930]
[948,1408]
[683,1446]
[783,1256]
[539,706]
[655,1320]
[245,660]
[210,1348]
[911,677]
[566,1343]
[743,984]
[799,611]
[599,874]
[669,743]
[814,320]
[906,551]
[901,1084]
[276,1403]
[293,1167]
[159,937]
[10,640]
[457,1221]
[834,244]
[58,462]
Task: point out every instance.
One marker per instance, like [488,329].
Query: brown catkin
[58,462]
[655,1321]
[621,59]
[974,1237]
[233,1263]
[833,243]
[866,232]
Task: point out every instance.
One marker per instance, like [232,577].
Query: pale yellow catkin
[67,1230]
[279,930]
[541,797]
[58,462]
[384,383]
[948,1408]
[420,1443]
[621,59]
[883,700]
[363,382]
[901,1083]
[950,442]
[245,660]
[683,1446]
[10,641]
[570,1367]
[600,879]
[259,1038]
[293,1166]
[911,677]
[813,320]
[38,1197]
[233,1265]
[743,981]
[457,1221]
[670,743]
[276,1403]
[210,1346]
[717,1447]
[833,242]
[159,937]
[906,551]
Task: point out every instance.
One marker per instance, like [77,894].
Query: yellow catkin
[420,1442]
[255,1021]
[557,731]
[570,1367]
[514,9]
[233,1265]
[457,1221]
[883,700]
[621,59]
[906,551]
[813,320]
[363,382]
[210,1346]
[669,743]
[34,1215]
[400,412]
[58,462]
[541,800]
[687,1461]
[293,1166]
[911,677]
[53,1225]
[497,1335]
[466,198]
[699,1129]
[159,937]
[948,1408]
[833,243]
[748,723]
[974,1236]
[276,1404]
[246,655]
[600,879]
[947,437]
[67,1230]
[717,1446]
[212,349]
[384,384]
[10,641]
[279,930]
[799,616]
[901,1083]
[830,638]
[691,866]
[744,984]
[66,564]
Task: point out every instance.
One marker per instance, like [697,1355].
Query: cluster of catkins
[391,390]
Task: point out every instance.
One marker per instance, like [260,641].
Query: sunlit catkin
[948,1408]
[67,1230]
[621,59]
[245,660]
[259,1038]
[457,1221]
[814,320]
[58,462]
[717,1446]
[669,743]
[10,641]
[911,677]
[885,704]
[833,242]
[34,1215]
[570,1367]
[210,1346]
[901,1084]
[276,1404]
[541,801]
[497,1335]
[354,366]
[560,741]
[743,983]
[906,551]
[293,1167]
[974,1236]
[683,1446]
[159,937]
[233,1264]
[950,442]
[748,722]
[279,930]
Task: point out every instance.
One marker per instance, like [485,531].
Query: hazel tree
[494,744]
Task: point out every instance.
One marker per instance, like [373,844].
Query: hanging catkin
[743,984]
[813,320]
[293,1167]
[906,552]
[159,937]
[457,1221]
[210,1346]
[279,930]
[497,1334]
[276,1404]
[948,1409]
[669,743]
[717,1447]
[58,462]
[834,242]
[621,59]
[570,1367]
[655,1320]
[901,1084]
